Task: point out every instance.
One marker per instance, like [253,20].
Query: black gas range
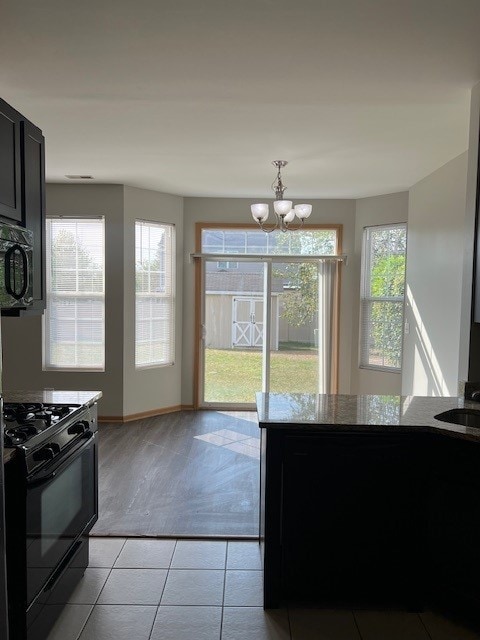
[29,425]
[23,420]
[51,501]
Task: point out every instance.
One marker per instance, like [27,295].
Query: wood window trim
[199,227]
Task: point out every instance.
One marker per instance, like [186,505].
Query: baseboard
[146,414]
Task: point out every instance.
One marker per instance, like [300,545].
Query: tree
[149,266]
[300,299]
[385,296]
[70,256]
[388,277]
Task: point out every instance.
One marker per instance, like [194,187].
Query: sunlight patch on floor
[250,416]
[233,440]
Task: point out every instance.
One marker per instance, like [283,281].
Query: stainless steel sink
[465,417]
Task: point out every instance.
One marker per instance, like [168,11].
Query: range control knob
[79,428]
[48,452]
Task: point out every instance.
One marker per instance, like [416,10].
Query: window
[74,334]
[225,265]
[154,294]
[314,241]
[382,296]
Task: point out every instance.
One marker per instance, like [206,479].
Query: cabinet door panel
[348,506]
[454,520]
[10,174]
[33,186]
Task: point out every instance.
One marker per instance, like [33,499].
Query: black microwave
[16,267]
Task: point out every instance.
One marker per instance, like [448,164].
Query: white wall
[238,210]
[385,209]
[435,250]
[469,343]
[152,388]
[435,351]
[22,337]
[126,391]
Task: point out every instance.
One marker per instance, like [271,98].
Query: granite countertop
[53,396]
[362,413]
[86,398]
[8,455]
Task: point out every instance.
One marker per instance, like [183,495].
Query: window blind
[382,297]
[154,294]
[74,335]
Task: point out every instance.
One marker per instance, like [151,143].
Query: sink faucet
[472,390]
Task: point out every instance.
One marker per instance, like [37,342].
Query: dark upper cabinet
[476,277]
[10,163]
[474,362]
[22,192]
[33,197]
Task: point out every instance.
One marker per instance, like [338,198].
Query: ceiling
[197,97]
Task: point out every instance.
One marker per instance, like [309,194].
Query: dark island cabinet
[453,536]
[10,164]
[350,518]
[22,192]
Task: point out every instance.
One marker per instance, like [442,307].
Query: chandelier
[285,210]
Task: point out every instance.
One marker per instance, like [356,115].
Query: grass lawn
[235,376]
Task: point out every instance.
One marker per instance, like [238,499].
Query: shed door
[247,327]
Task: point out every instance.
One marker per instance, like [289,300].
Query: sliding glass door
[294,357]
[233,332]
[267,319]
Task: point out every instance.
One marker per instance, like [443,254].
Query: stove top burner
[24,413]
[26,420]
[19,435]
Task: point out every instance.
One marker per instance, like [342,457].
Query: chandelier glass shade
[285,210]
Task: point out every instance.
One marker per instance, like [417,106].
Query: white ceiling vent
[71,177]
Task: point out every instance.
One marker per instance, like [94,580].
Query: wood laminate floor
[183,474]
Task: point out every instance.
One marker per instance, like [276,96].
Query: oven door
[61,505]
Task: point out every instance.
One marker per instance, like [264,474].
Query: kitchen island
[369,500]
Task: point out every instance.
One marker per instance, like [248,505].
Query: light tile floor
[138,589]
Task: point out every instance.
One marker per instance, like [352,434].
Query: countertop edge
[8,454]
[56,396]
[448,430]
[337,413]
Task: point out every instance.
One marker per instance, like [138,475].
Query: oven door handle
[37,481]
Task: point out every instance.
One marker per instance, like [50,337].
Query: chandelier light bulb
[290,216]
[303,210]
[282,207]
[259,212]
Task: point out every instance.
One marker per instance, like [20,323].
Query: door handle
[41,479]
[8,271]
